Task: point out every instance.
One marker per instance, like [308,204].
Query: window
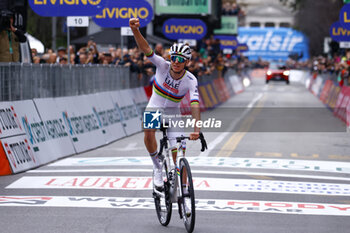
[254,24]
[285,25]
[269,24]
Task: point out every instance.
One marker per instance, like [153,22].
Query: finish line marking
[300,208]
[193,172]
[200,184]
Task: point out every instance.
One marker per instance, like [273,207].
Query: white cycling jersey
[168,92]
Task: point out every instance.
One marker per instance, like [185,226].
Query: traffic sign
[126,31]
[77,21]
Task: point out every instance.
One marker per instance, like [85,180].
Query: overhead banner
[227,42]
[273,44]
[344,16]
[229,25]
[339,33]
[192,7]
[117,13]
[176,28]
[67,7]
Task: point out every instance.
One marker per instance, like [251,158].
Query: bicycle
[171,192]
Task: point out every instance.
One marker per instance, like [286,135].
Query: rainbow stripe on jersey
[166,94]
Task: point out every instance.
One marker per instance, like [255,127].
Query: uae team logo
[151,120]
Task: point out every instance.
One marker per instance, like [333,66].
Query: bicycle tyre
[164,205]
[188,194]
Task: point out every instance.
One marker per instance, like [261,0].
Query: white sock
[155,160]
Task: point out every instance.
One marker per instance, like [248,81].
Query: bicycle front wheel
[162,199]
[188,200]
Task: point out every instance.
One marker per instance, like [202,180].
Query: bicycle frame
[175,191]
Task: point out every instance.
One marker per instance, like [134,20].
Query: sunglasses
[179,59]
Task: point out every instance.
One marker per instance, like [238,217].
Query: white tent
[35,43]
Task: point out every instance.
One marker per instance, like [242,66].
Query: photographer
[10,37]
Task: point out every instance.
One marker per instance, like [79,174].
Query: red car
[278,73]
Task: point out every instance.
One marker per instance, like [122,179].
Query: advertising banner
[130,117]
[9,121]
[67,7]
[176,28]
[229,25]
[116,14]
[140,99]
[108,116]
[19,153]
[54,140]
[338,32]
[342,102]
[273,44]
[227,42]
[40,134]
[317,85]
[80,122]
[344,16]
[199,7]
[242,47]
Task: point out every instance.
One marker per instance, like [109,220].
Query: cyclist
[171,84]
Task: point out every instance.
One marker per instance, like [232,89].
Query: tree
[314,18]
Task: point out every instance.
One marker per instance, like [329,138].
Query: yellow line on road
[235,139]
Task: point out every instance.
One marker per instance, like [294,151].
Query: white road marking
[233,124]
[300,208]
[200,184]
[321,177]
[231,162]
[129,147]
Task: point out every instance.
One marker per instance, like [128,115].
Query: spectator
[108,59]
[83,58]
[63,60]
[10,37]
[61,52]
[159,50]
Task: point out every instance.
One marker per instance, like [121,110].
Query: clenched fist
[134,23]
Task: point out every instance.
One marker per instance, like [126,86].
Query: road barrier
[48,112]
[335,97]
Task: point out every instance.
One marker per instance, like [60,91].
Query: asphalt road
[281,164]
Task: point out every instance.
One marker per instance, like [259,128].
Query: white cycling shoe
[158,178]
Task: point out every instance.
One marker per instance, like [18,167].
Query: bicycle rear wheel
[187,204]
[162,199]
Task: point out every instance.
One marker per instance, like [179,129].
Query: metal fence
[27,81]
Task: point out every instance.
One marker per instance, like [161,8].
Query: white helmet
[181,49]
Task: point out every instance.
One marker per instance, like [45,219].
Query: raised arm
[143,45]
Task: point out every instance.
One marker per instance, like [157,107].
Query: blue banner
[117,13]
[227,42]
[67,7]
[175,28]
[242,47]
[274,43]
[339,33]
[344,16]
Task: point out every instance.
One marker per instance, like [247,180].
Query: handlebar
[201,138]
